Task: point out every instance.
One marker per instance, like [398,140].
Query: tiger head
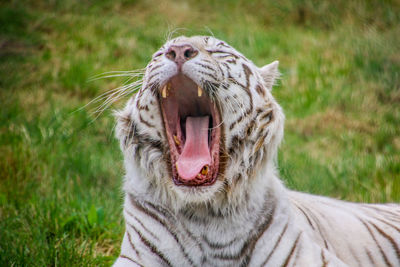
[203,127]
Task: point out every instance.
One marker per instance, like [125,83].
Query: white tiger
[201,188]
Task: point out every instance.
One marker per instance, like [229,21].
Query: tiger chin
[200,142]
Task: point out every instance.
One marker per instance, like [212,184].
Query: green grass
[61,170]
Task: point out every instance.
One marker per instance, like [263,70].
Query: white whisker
[114,76]
[124,90]
[142,70]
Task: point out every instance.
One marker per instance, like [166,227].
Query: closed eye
[221,54]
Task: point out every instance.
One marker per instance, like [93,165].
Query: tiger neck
[263,202]
[260,194]
[263,194]
[263,208]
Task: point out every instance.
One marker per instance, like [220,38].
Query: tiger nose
[181,53]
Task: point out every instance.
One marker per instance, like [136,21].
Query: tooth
[176,166]
[204,171]
[199,91]
[177,140]
[164,92]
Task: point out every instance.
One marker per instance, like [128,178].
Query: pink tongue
[195,152]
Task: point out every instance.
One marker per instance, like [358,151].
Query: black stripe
[250,243]
[389,224]
[153,75]
[296,257]
[222,52]
[220,69]
[153,87]
[371,259]
[132,245]
[130,259]
[207,60]
[131,132]
[156,67]
[305,215]
[318,223]
[164,224]
[151,246]
[247,71]
[376,241]
[205,66]
[389,238]
[226,65]
[211,88]
[268,115]
[224,56]
[141,224]
[156,55]
[144,139]
[233,124]
[291,251]
[145,122]
[236,82]
[260,232]
[224,45]
[394,216]
[260,141]
[323,259]
[276,244]
[218,245]
[354,255]
[166,214]
[208,74]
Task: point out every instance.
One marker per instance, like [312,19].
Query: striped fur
[247,217]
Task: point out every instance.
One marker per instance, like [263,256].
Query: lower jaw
[201,182]
[197,194]
[205,183]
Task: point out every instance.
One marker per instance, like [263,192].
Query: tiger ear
[270,73]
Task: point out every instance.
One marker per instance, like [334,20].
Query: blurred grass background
[61,170]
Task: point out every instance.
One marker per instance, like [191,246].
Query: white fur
[192,226]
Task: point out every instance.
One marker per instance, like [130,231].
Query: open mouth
[191,123]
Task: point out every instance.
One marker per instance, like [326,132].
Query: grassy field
[61,168]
